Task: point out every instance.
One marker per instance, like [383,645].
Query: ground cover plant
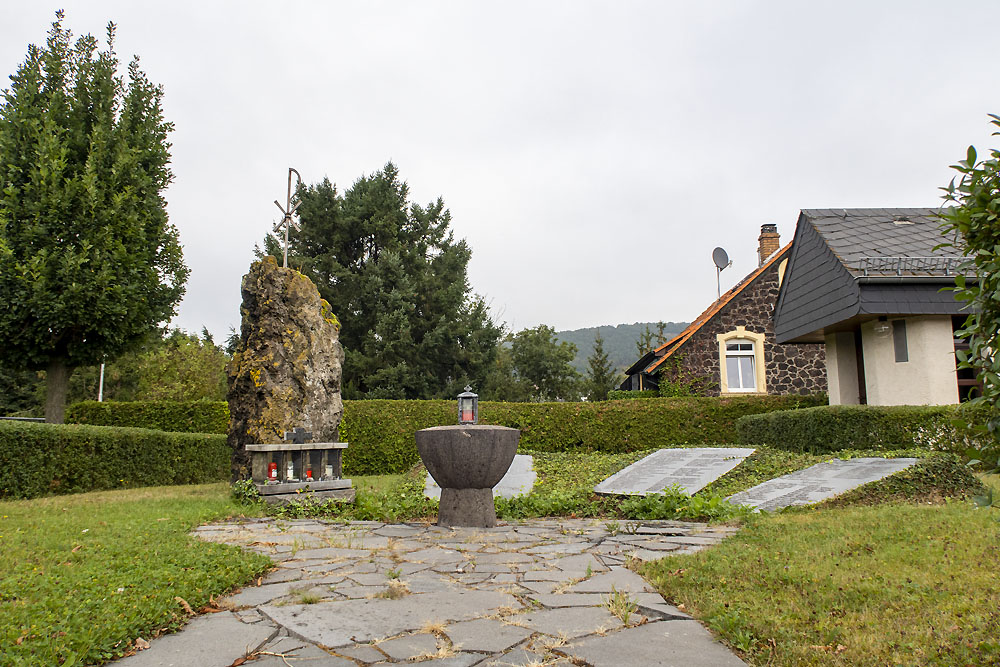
[566,480]
[85,574]
[565,487]
[894,584]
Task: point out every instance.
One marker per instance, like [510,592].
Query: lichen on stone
[286,371]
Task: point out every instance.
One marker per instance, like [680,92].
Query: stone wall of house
[790,369]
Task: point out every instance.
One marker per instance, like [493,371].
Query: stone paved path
[534,593]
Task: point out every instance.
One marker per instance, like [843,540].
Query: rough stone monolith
[286,371]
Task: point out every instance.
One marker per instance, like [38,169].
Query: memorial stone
[819,482]
[287,367]
[691,469]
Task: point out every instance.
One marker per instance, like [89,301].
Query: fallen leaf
[187,607]
[141,644]
[76,548]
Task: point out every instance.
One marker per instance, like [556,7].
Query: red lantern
[272,470]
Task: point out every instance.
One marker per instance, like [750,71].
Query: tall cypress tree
[397,280]
[89,264]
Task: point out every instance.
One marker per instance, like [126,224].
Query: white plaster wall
[928,378]
[842,369]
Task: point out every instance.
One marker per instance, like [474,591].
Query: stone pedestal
[467,461]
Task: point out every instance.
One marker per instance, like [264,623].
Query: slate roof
[872,238]
[652,360]
[849,265]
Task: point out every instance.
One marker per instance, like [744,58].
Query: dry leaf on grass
[187,608]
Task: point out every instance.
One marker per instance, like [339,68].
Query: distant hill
[619,342]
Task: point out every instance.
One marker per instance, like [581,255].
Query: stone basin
[467,461]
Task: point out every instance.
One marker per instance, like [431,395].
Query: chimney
[769,243]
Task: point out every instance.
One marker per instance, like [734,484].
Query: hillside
[619,342]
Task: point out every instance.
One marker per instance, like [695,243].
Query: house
[730,348]
[872,284]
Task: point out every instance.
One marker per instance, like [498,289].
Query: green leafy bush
[381,438]
[828,429]
[178,416]
[40,459]
[931,479]
[622,394]
[381,432]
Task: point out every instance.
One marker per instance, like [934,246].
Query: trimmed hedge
[831,428]
[623,394]
[381,439]
[41,459]
[177,416]
[381,432]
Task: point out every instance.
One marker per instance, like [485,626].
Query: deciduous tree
[544,364]
[972,226]
[89,263]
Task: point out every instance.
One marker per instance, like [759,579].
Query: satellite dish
[720,258]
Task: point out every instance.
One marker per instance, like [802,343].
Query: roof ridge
[715,307]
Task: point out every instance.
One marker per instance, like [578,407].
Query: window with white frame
[741,367]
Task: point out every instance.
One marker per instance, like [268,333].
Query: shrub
[827,429]
[930,479]
[622,394]
[380,432]
[177,416]
[40,459]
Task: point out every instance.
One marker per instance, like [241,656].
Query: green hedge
[178,416]
[826,429]
[381,439]
[622,394]
[41,459]
[381,432]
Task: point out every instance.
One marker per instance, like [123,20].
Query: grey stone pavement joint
[368,593]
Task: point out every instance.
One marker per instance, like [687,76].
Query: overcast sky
[592,153]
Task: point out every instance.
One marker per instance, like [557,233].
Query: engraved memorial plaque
[690,468]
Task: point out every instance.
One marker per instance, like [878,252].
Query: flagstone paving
[366,593]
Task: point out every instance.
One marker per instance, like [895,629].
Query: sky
[592,154]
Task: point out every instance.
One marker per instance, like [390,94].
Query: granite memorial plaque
[518,481]
[691,469]
[819,482]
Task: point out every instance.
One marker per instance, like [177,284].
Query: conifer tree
[601,375]
[89,264]
[396,277]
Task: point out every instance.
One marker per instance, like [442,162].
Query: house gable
[695,357]
[817,288]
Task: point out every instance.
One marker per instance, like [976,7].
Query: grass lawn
[84,574]
[900,584]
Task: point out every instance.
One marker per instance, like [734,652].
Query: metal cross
[297,436]
[287,211]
